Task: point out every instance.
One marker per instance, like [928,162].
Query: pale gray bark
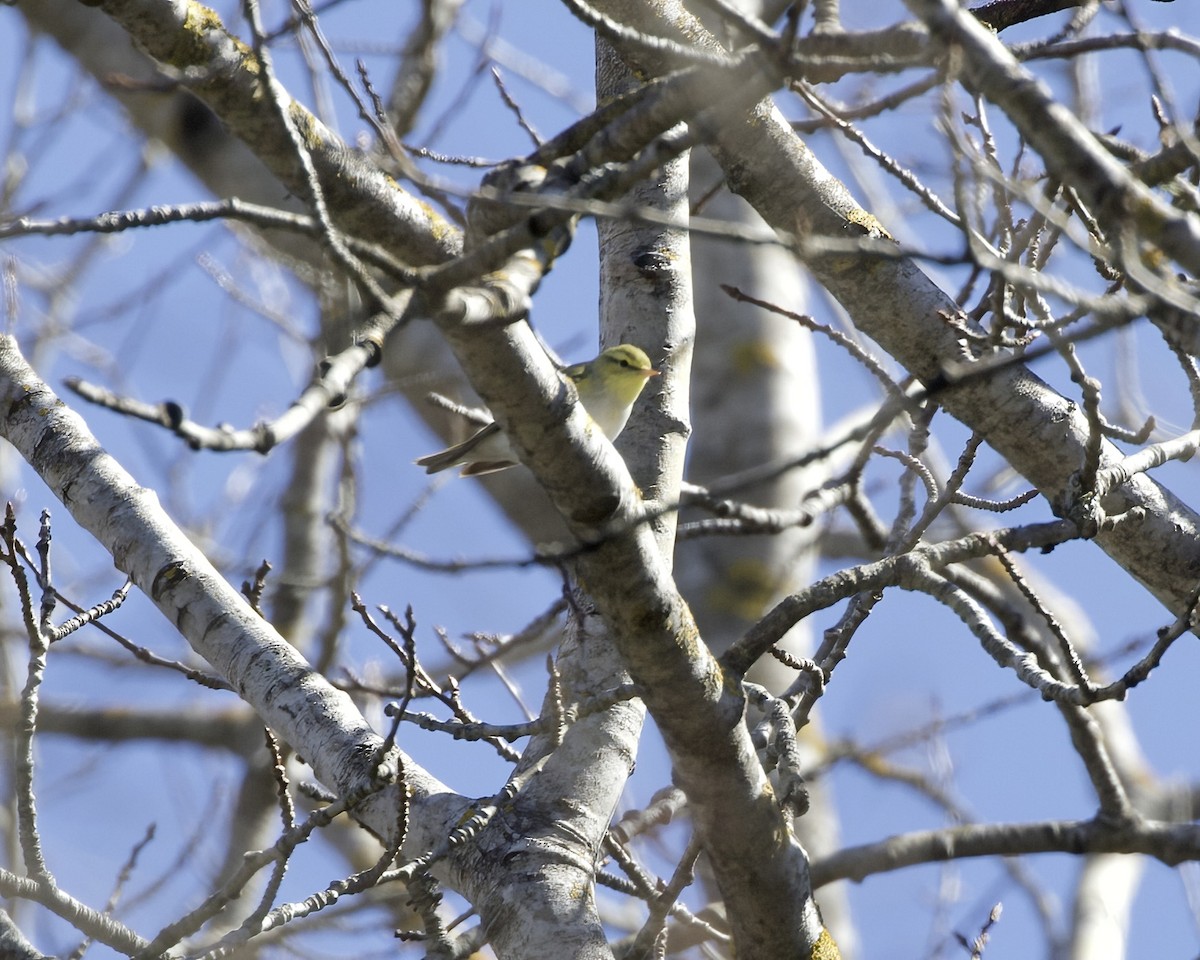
[557,819]
[1039,432]
[1103,900]
[320,722]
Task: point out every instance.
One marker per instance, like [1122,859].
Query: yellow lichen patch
[246,52]
[440,226]
[192,47]
[306,126]
[874,763]
[857,223]
[751,356]
[1153,257]
[868,223]
[746,588]
[825,948]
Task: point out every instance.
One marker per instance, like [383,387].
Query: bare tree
[922,299]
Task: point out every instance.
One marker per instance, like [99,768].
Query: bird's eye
[625,364]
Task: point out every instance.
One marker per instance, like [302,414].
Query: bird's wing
[444,459]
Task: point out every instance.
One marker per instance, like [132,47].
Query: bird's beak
[652,373]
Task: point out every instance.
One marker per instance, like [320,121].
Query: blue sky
[147,316]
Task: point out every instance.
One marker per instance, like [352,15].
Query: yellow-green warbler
[608,387]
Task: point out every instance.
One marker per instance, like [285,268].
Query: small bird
[608,386]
